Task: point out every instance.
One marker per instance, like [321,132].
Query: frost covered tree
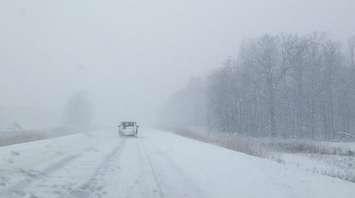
[285,85]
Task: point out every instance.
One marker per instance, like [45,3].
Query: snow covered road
[156,164]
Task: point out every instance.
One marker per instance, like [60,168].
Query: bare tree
[279,85]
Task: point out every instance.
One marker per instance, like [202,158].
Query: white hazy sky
[131,54]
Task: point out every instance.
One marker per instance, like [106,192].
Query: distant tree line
[282,85]
[78,112]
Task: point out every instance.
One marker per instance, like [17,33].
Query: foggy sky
[129,54]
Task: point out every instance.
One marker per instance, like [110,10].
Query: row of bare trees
[278,85]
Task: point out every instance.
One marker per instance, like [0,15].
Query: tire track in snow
[144,153]
[143,181]
[16,190]
[92,187]
[180,176]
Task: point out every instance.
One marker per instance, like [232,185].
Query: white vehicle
[128,128]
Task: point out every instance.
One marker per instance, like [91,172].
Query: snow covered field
[156,164]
